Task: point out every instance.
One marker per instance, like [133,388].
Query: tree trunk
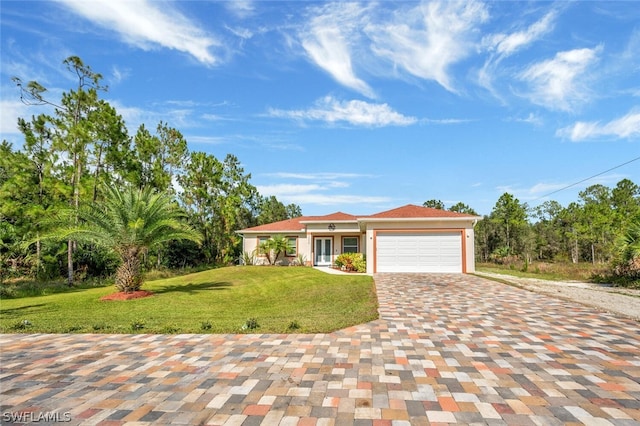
[96,175]
[128,276]
[70,263]
[38,255]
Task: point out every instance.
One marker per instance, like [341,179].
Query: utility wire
[590,177]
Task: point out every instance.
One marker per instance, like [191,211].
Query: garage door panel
[419,252]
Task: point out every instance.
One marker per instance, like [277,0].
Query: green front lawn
[225,300]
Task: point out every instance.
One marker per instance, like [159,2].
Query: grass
[247,299]
[561,271]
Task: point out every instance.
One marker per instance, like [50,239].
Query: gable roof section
[297,224]
[408,212]
[333,217]
[411,211]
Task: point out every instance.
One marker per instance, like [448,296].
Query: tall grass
[561,271]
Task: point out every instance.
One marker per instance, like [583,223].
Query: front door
[323,251]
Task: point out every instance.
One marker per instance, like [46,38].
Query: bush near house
[351,262]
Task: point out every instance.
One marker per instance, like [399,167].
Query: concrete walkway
[446,349]
[330,270]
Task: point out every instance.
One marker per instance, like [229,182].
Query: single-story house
[405,239]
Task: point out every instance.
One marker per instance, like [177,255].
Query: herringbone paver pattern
[447,349]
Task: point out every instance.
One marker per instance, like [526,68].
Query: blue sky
[359,107]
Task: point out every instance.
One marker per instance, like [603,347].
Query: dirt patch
[127,296]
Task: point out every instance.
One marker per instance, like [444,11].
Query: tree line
[71,155]
[601,227]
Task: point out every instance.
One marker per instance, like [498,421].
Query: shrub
[170,329]
[294,325]
[137,325]
[247,259]
[99,326]
[300,260]
[251,324]
[22,325]
[351,262]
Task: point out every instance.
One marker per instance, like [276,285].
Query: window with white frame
[261,240]
[292,247]
[350,245]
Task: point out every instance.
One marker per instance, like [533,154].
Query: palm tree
[628,262]
[129,222]
[275,245]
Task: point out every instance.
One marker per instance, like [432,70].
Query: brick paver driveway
[446,349]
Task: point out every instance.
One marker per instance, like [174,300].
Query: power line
[590,177]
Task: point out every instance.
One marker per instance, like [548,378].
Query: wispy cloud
[306,194]
[206,140]
[427,40]
[544,190]
[240,8]
[118,75]
[177,117]
[320,188]
[503,45]
[147,25]
[507,44]
[354,112]
[624,127]
[445,121]
[561,83]
[328,40]
[532,118]
[319,176]
[11,110]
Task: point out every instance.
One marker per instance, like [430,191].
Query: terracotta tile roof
[296,225]
[411,211]
[331,217]
[292,225]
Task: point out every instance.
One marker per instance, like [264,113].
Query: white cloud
[118,75]
[319,176]
[503,45]
[312,194]
[507,44]
[173,114]
[560,83]
[328,42]
[427,40]
[240,8]
[11,108]
[242,33]
[532,118]
[333,199]
[445,121]
[10,111]
[355,112]
[288,189]
[147,24]
[544,188]
[627,126]
[206,140]
[321,192]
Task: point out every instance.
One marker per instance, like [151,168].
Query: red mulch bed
[127,296]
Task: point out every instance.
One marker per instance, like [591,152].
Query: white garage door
[419,252]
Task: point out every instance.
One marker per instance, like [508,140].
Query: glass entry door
[323,251]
